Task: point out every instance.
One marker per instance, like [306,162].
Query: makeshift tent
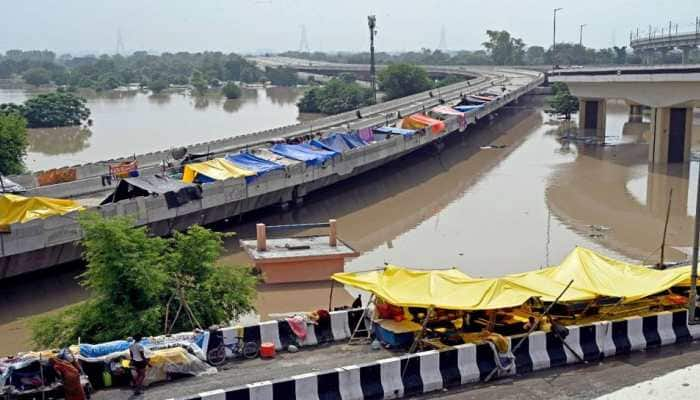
[217,169]
[303,152]
[419,121]
[266,154]
[14,208]
[253,163]
[471,101]
[332,142]
[353,139]
[593,275]
[446,111]
[176,193]
[392,130]
[468,108]
[8,186]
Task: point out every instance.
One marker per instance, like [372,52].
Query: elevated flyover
[672,91]
[649,46]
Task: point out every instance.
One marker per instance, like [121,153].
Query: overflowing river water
[136,122]
[487,210]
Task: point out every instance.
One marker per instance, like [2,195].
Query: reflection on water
[128,122]
[54,141]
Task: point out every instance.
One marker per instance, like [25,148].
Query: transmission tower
[443,39]
[304,42]
[120,42]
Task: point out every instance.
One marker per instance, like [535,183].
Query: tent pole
[418,338]
[330,297]
[362,318]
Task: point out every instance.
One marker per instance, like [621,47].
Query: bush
[401,80]
[231,91]
[158,85]
[135,278]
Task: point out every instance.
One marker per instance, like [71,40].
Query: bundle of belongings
[450,307]
[176,193]
[8,186]
[19,209]
[43,375]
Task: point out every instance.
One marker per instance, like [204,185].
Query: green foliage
[401,80]
[37,76]
[134,277]
[334,97]
[13,136]
[55,109]
[158,85]
[231,91]
[281,76]
[504,49]
[562,102]
[199,82]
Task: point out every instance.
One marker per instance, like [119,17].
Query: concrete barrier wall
[431,371]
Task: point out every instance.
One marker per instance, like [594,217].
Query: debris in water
[494,146]
[599,228]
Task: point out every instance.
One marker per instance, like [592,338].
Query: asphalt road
[583,381]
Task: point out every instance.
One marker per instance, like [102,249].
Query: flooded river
[487,211]
[136,122]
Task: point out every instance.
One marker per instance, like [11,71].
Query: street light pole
[554,35]
[580,35]
[693,294]
[372,24]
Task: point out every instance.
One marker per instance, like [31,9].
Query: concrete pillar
[671,134]
[592,114]
[685,55]
[333,233]
[261,236]
[635,113]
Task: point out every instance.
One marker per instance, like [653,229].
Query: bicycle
[239,348]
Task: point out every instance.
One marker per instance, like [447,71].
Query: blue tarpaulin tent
[254,163]
[303,152]
[354,140]
[391,130]
[332,142]
[467,108]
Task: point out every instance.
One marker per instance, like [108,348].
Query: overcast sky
[79,26]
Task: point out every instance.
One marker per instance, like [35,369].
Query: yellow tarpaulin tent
[594,276]
[15,208]
[218,169]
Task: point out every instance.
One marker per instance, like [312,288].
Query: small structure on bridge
[298,259]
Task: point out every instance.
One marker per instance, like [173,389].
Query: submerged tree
[134,279]
[231,91]
[562,102]
[55,109]
[401,80]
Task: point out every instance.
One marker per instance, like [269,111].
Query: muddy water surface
[136,122]
[487,211]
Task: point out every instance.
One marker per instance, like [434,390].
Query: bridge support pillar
[591,114]
[685,54]
[671,131]
[635,113]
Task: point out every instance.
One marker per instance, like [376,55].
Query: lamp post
[693,293]
[372,24]
[580,35]
[554,35]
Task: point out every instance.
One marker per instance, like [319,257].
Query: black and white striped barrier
[338,327]
[434,370]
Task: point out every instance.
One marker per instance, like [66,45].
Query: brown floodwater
[136,122]
[486,211]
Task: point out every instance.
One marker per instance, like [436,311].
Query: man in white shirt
[139,362]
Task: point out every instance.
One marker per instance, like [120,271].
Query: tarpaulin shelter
[354,140]
[448,111]
[217,169]
[392,130]
[303,152]
[420,121]
[176,193]
[14,208]
[468,108]
[8,186]
[593,276]
[339,142]
[253,163]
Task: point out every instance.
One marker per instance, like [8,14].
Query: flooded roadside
[137,122]
[486,211]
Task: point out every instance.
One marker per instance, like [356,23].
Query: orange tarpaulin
[419,121]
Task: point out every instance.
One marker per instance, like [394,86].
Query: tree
[281,76]
[534,55]
[199,82]
[134,278]
[37,76]
[55,109]
[504,49]
[231,91]
[13,136]
[157,85]
[334,97]
[399,80]
[563,102]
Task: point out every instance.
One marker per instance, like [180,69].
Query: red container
[267,350]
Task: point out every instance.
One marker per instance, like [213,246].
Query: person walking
[139,363]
